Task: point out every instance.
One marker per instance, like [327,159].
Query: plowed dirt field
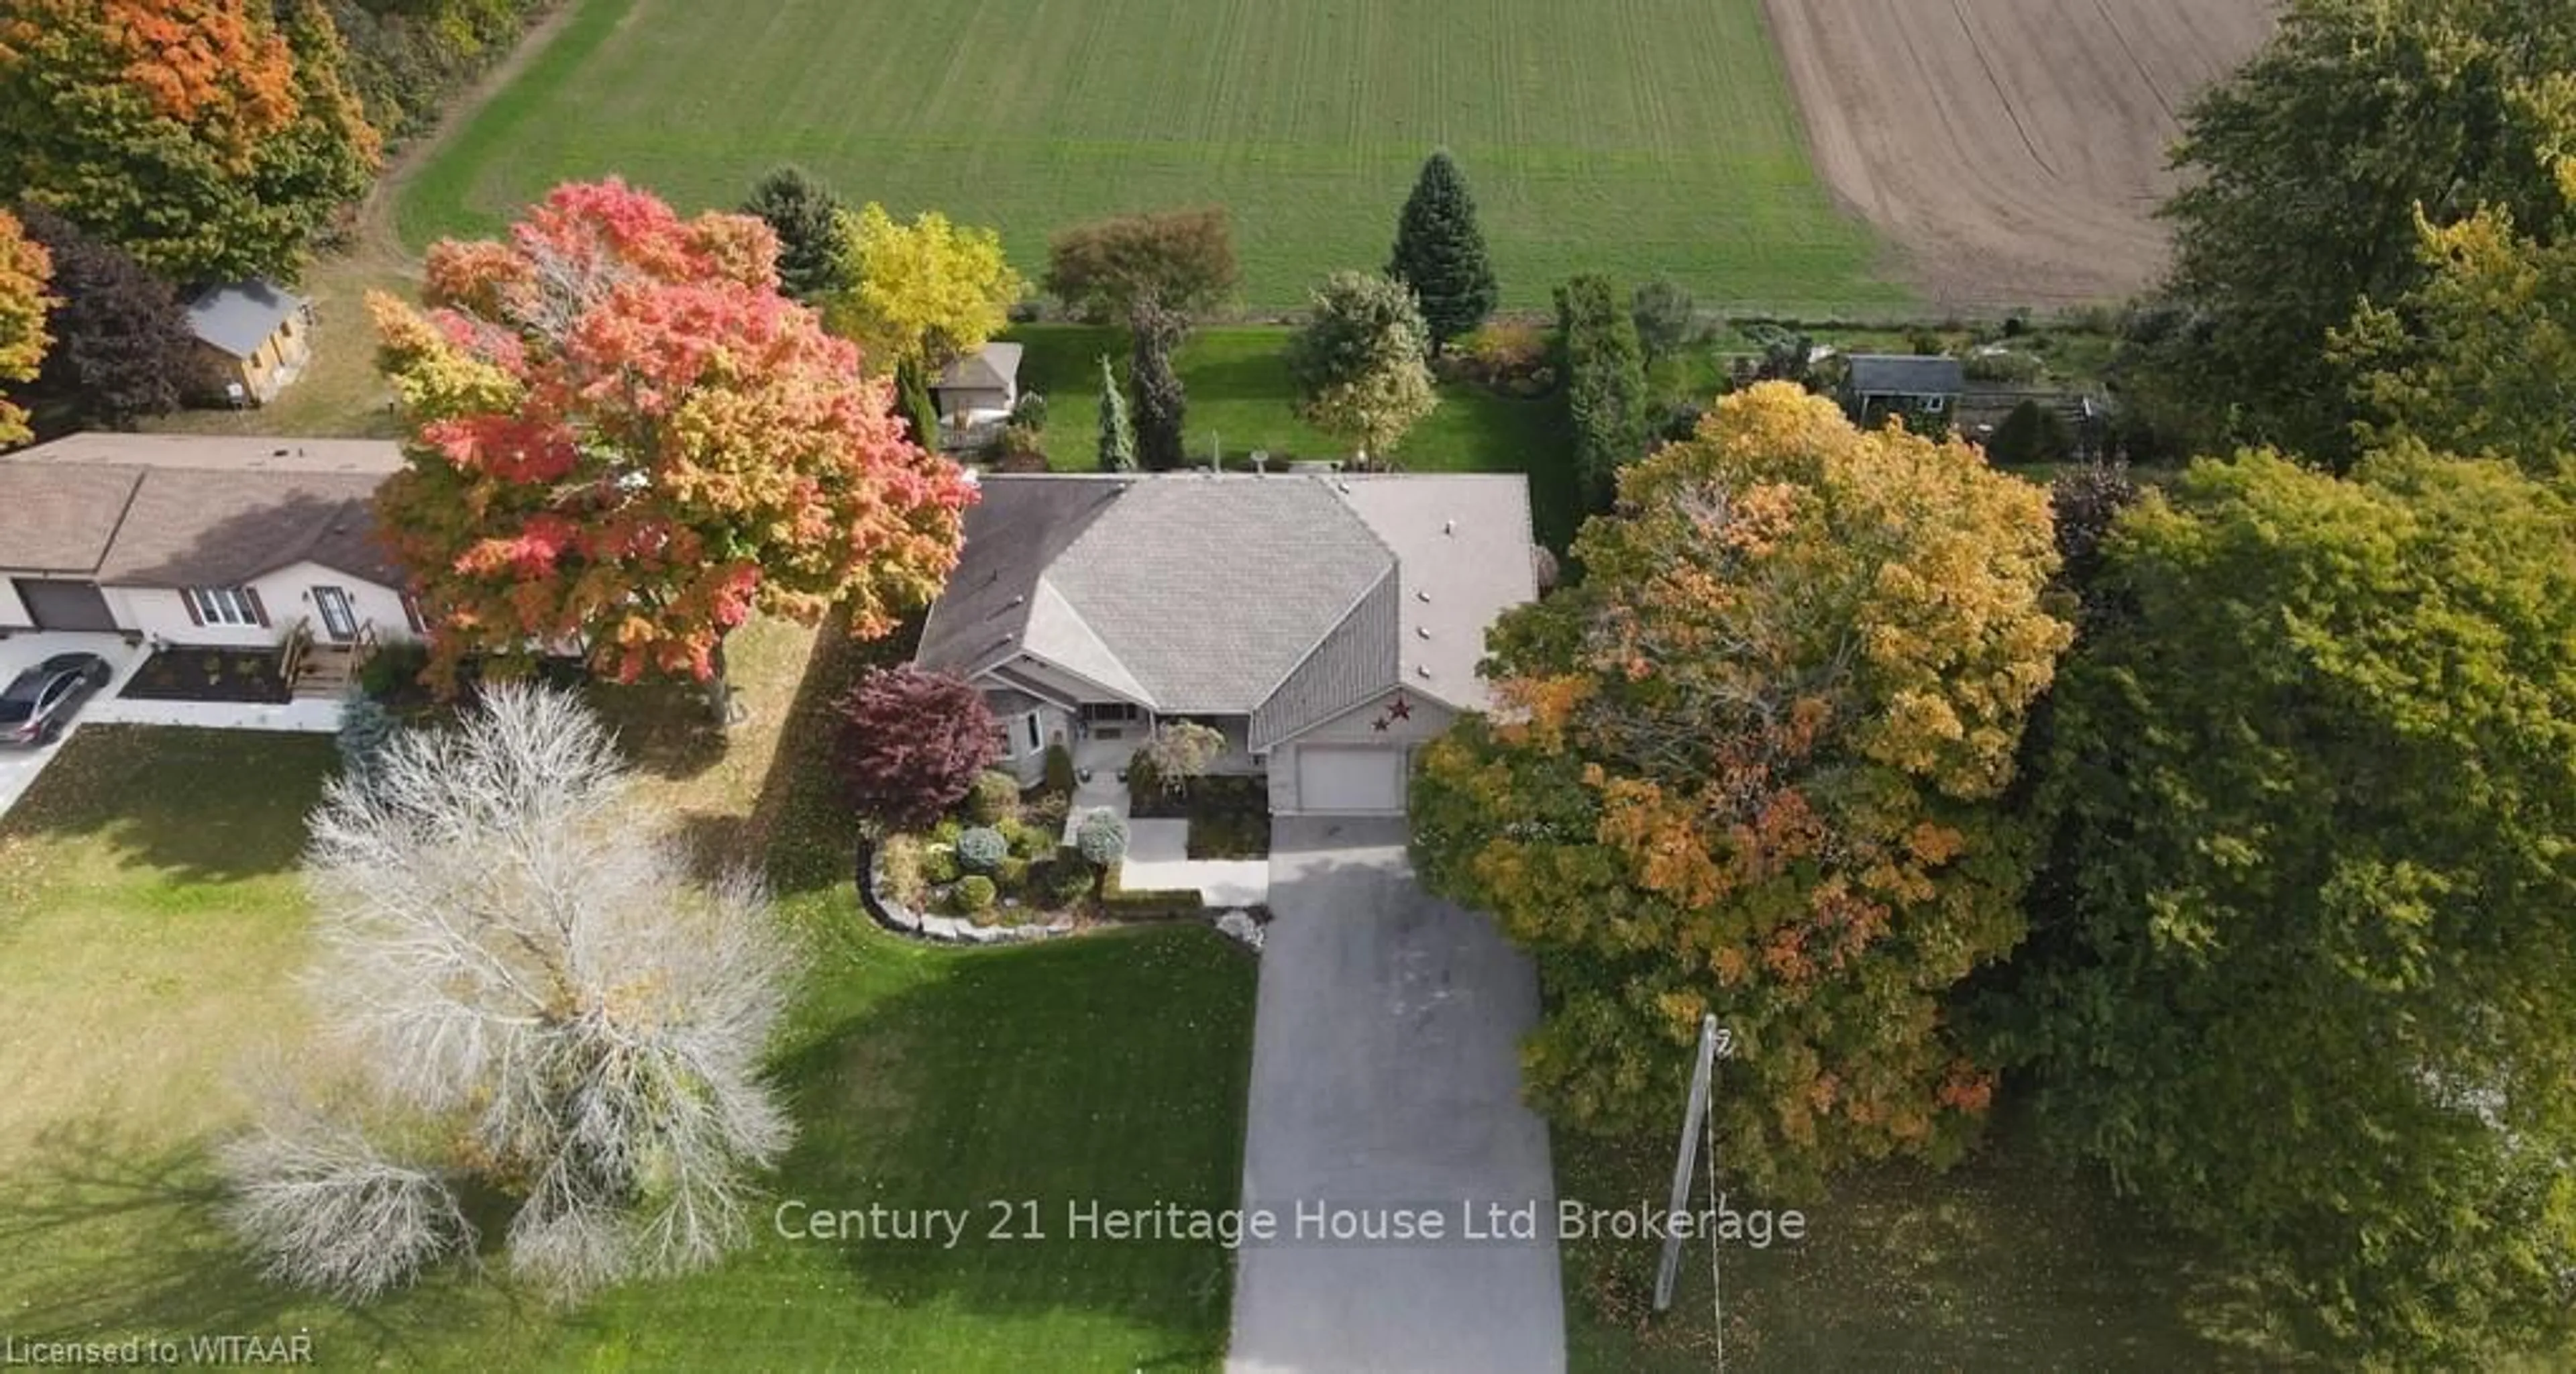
[2014,151]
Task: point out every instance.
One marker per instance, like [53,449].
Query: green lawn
[152,926]
[2000,1264]
[1240,400]
[1631,136]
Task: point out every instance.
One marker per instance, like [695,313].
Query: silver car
[40,702]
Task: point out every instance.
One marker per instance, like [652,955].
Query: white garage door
[1345,779]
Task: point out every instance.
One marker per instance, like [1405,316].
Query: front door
[338,619]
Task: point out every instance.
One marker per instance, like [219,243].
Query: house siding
[1356,726]
[287,595]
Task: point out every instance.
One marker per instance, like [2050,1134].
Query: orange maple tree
[25,271]
[622,436]
[1749,766]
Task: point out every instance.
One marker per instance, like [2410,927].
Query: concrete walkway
[1386,1082]
[305,715]
[1158,860]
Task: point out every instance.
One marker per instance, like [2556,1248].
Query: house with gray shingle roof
[1882,384]
[1326,624]
[200,540]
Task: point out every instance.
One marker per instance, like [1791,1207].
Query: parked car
[40,702]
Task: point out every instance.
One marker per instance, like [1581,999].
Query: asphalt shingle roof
[995,366]
[238,317]
[1903,374]
[165,510]
[1286,598]
[1211,590]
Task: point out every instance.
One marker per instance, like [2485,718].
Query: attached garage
[58,605]
[1350,779]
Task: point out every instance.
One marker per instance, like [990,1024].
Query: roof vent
[1343,487]
[1422,670]
[1448,527]
[1422,594]
[1018,601]
[1422,632]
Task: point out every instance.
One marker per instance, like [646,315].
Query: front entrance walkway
[1158,861]
[1386,1080]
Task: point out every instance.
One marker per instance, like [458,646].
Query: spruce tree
[1117,432]
[1440,252]
[1160,401]
[806,217]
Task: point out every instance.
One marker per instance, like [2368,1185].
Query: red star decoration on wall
[1399,709]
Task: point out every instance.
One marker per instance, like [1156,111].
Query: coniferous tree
[1440,252]
[1117,432]
[807,219]
[1160,402]
[913,401]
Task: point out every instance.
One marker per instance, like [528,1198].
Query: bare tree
[510,945]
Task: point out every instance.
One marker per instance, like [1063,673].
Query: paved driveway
[19,767]
[1386,1081]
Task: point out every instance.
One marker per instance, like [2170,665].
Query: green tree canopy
[1605,382]
[1357,361]
[2304,175]
[1751,765]
[2481,356]
[2306,974]
[806,216]
[1175,260]
[1440,252]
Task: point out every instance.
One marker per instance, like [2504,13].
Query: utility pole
[1713,1043]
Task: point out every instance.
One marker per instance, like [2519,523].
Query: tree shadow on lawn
[1109,1068]
[111,1237]
[799,830]
[211,806]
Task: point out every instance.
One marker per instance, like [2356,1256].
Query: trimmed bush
[974,894]
[1155,904]
[1101,838]
[1064,879]
[1031,841]
[367,729]
[1013,876]
[1029,412]
[939,866]
[993,797]
[1060,779]
[981,849]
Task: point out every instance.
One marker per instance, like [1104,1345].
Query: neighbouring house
[1883,384]
[253,338]
[1326,624]
[983,385]
[203,541]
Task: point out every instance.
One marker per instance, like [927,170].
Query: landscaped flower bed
[209,675]
[998,859]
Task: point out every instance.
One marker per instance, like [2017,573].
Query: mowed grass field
[1631,136]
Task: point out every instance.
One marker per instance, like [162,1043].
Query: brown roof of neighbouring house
[60,520]
[166,510]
